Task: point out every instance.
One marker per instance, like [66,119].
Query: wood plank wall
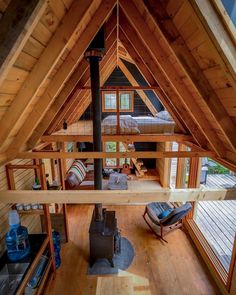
[30,54]
[24,180]
[163,165]
[204,52]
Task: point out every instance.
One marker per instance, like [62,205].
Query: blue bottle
[17,240]
[57,247]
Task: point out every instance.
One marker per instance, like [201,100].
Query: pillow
[164,213]
[164,115]
[78,169]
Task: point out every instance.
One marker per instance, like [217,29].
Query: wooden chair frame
[164,230]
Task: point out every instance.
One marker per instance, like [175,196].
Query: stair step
[143,169]
[139,174]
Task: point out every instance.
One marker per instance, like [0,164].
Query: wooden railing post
[10,178]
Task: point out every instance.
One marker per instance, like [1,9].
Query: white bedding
[151,125]
[127,125]
[130,125]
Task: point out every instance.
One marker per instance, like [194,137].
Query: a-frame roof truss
[156,48]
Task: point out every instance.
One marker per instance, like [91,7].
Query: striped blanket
[79,170]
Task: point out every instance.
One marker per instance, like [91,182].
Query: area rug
[121,261]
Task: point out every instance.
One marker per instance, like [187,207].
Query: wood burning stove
[103,233]
[104,238]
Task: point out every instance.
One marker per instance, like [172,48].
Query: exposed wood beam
[81,107]
[65,102]
[66,112]
[195,166]
[226,49]
[125,56]
[72,24]
[69,106]
[224,16]
[26,166]
[120,87]
[119,138]
[68,91]
[171,97]
[116,197]
[84,101]
[104,155]
[3,159]
[180,169]
[194,73]
[133,82]
[145,71]
[59,79]
[167,69]
[193,145]
[16,25]
[227,163]
[77,100]
[123,53]
[110,24]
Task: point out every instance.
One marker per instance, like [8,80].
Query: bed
[154,125]
[162,123]
[137,125]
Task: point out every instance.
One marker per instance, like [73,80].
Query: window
[109,101]
[111,146]
[126,101]
[230,7]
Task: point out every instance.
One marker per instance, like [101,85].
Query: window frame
[118,164]
[130,110]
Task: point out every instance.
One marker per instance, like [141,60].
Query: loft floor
[158,268]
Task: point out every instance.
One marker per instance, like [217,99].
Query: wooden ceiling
[172,43]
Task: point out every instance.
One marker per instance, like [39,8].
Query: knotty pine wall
[163,165]
[24,180]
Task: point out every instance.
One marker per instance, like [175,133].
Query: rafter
[217,33]
[73,23]
[145,71]
[69,105]
[174,99]
[167,69]
[105,73]
[133,82]
[16,25]
[59,79]
[193,72]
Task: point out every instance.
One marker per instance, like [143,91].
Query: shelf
[31,211]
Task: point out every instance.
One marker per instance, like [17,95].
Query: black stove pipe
[97,132]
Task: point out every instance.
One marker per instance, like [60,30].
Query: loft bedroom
[117,147]
[130,116]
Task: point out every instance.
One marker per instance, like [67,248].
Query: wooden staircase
[138,163]
[140,168]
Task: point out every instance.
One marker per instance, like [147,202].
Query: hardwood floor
[158,268]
